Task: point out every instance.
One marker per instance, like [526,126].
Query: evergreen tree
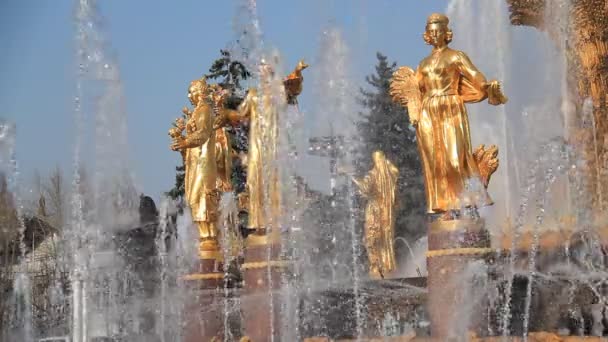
[231,72]
[385,126]
[178,190]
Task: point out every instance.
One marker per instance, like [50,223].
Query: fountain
[519,258]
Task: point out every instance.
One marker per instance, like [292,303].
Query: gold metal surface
[293,83]
[261,107]
[223,147]
[404,90]
[262,110]
[264,264]
[446,80]
[379,187]
[198,149]
[458,251]
[203,276]
[487,162]
[209,247]
[261,238]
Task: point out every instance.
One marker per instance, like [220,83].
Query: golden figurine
[264,194]
[293,83]
[223,154]
[435,95]
[262,110]
[223,147]
[198,149]
[249,110]
[379,187]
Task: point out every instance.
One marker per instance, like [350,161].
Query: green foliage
[230,71]
[178,190]
[385,126]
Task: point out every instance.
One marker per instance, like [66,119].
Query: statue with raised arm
[379,188]
[435,96]
[198,149]
[262,107]
[262,110]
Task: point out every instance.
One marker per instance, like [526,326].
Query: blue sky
[162,45]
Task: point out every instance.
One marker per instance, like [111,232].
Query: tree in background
[177,192]
[385,126]
[56,198]
[50,198]
[230,72]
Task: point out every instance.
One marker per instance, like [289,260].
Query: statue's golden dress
[201,171]
[379,187]
[198,149]
[435,95]
[255,176]
[447,80]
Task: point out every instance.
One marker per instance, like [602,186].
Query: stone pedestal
[453,245]
[262,274]
[203,312]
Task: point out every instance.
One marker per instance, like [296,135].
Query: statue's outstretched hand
[179,144]
[495,94]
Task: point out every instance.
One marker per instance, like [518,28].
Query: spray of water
[291,247]
[540,215]
[483,30]
[250,45]
[113,200]
[333,87]
[161,246]
[22,313]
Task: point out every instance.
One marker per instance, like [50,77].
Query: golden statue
[198,149]
[262,110]
[435,95]
[264,194]
[223,147]
[293,83]
[379,187]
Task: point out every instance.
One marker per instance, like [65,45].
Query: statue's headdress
[199,85]
[437,18]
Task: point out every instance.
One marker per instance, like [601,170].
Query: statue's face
[377,157]
[193,95]
[437,34]
[196,91]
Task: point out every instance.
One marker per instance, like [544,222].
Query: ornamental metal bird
[293,83]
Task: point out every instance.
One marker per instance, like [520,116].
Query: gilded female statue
[262,169]
[198,149]
[262,109]
[435,95]
[261,156]
[379,187]
[255,182]
[223,147]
